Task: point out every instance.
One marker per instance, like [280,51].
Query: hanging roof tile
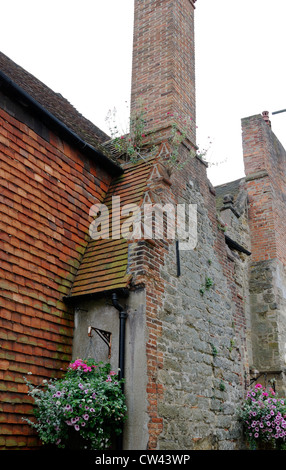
[104,266]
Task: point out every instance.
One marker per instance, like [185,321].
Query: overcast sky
[83,50]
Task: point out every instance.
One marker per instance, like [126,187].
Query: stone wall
[267,289]
[202,342]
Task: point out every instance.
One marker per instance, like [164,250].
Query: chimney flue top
[265,115]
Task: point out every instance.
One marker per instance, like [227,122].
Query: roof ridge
[55,103]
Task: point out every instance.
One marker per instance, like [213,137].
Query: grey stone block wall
[203,370]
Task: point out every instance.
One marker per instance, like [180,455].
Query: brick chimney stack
[163,70]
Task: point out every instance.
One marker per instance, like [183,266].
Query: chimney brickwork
[265,164]
[163,70]
[265,169]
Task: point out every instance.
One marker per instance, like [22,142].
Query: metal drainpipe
[122,320]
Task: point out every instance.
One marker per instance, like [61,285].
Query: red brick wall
[265,169]
[47,189]
[163,71]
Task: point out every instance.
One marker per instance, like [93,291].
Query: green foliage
[263,416]
[208,284]
[84,408]
[232,343]
[132,143]
[221,224]
[214,350]
[137,143]
[222,386]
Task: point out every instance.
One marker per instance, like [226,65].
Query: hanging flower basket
[82,410]
[263,416]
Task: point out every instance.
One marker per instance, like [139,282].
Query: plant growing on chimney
[138,143]
[131,144]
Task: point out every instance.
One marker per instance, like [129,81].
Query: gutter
[72,299]
[48,118]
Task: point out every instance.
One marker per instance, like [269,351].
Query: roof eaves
[74,299]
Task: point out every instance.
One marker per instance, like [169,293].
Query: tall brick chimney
[265,182]
[163,70]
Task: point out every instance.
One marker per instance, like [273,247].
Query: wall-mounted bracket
[106,336]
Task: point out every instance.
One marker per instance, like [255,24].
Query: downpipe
[122,321]
[121,361]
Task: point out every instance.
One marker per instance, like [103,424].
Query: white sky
[83,50]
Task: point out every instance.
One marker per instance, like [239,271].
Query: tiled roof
[53,102]
[105,262]
[233,188]
[104,266]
